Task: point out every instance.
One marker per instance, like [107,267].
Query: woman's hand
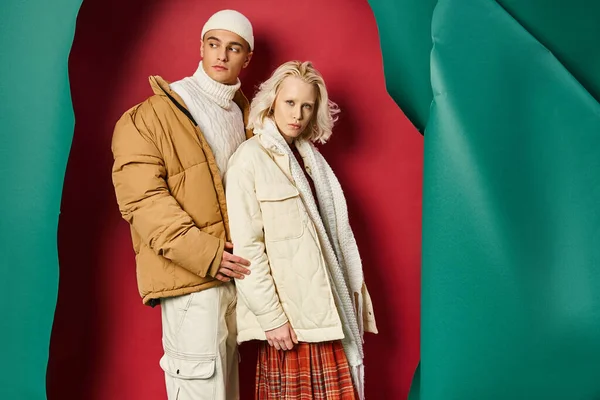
[282,338]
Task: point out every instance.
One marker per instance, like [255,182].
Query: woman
[305,297]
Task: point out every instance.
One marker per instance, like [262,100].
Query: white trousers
[199,339]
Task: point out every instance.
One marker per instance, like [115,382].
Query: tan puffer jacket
[170,191]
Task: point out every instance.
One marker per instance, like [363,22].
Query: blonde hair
[321,123]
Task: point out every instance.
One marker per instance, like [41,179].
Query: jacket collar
[269,129]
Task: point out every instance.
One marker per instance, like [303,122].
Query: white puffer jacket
[270,227]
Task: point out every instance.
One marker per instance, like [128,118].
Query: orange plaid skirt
[310,371]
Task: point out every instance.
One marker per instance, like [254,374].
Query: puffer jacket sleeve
[145,202]
[256,290]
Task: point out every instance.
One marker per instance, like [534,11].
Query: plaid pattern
[317,371]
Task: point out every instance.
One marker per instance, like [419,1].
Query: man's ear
[248,58]
[201,49]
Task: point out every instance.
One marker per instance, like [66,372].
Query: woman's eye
[290,102]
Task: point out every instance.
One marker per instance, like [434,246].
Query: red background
[105,343]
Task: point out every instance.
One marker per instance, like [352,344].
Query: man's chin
[223,77]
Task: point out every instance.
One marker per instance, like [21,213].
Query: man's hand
[232,266]
[282,338]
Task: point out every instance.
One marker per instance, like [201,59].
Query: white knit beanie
[232,21]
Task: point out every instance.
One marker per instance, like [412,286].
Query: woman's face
[294,106]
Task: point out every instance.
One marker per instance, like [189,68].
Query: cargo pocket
[280,206]
[189,367]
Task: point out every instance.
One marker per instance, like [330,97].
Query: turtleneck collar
[218,92]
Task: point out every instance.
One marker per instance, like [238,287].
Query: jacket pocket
[280,206]
[188,368]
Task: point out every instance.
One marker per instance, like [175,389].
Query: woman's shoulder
[252,147]
[249,151]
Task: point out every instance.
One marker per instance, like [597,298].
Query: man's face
[224,55]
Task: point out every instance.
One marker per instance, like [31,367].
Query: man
[170,153]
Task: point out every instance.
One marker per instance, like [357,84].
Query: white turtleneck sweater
[218,117]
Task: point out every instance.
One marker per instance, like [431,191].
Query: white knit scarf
[336,239]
